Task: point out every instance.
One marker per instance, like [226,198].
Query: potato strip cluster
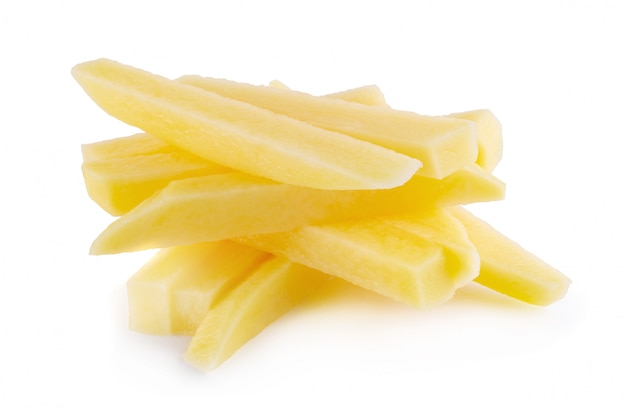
[257,196]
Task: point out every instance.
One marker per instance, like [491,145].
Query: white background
[553,72]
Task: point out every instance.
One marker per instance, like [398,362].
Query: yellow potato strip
[173,291]
[369,95]
[489,133]
[510,269]
[239,135]
[122,147]
[119,184]
[269,292]
[419,261]
[442,144]
[228,205]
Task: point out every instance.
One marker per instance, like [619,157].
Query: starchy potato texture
[256,196]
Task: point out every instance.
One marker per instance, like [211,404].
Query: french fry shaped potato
[510,269]
[442,144]
[228,205]
[239,135]
[175,289]
[418,259]
[271,290]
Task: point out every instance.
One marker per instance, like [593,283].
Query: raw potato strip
[146,144]
[442,228]
[119,184]
[508,268]
[442,144]
[369,95]
[125,146]
[239,135]
[273,289]
[159,298]
[488,128]
[402,262]
[489,133]
[228,205]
